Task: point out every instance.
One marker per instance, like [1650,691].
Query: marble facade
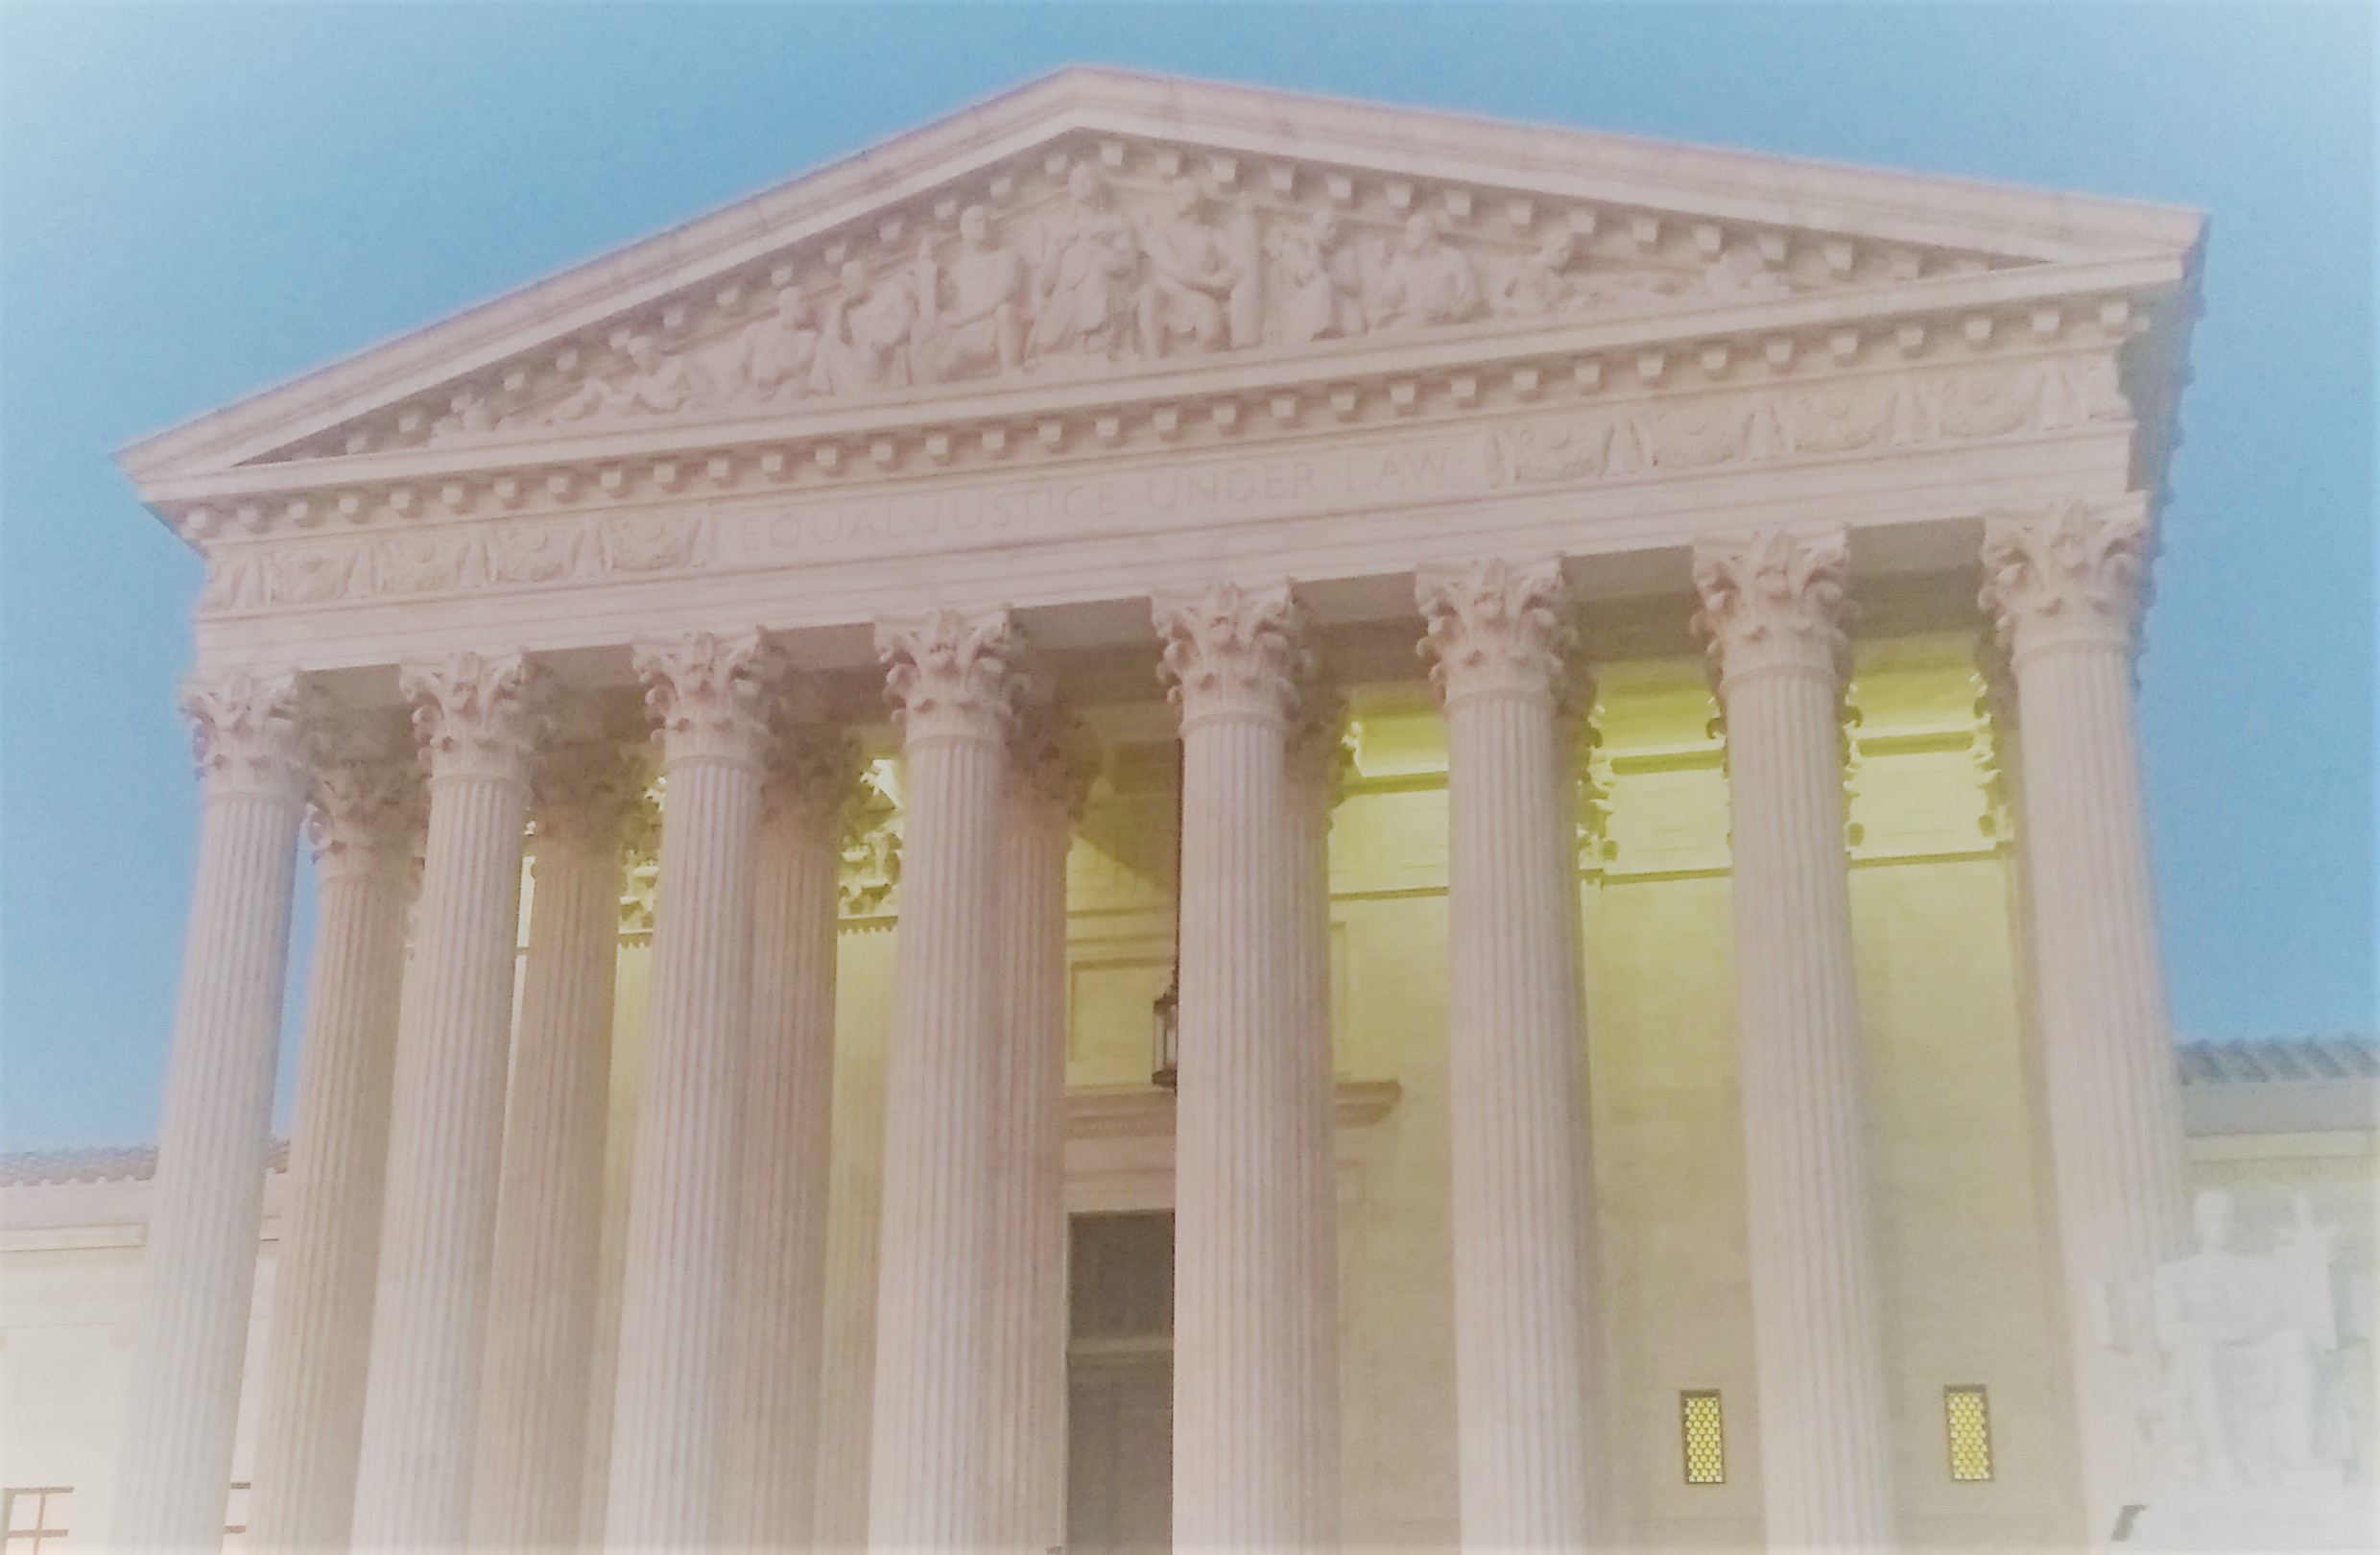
[1111,416]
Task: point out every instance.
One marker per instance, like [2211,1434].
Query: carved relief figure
[971,316]
[771,357]
[1536,282]
[471,413]
[1317,284]
[2239,1335]
[1083,286]
[654,384]
[1190,277]
[863,345]
[1426,282]
[1740,272]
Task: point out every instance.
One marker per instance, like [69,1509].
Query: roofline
[1086,97]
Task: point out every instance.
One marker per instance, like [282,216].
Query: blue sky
[197,200]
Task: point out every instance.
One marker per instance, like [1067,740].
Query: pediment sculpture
[1099,273]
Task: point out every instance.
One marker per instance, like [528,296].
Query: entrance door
[1120,1385]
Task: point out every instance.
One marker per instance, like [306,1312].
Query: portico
[1252,417]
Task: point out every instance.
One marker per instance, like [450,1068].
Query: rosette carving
[479,715]
[1493,627]
[1774,600]
[710,693]
[2069,573]
[1229,651]
[246,730]
[367,805]
[951,674]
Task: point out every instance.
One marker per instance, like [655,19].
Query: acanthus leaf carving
[1231,651]
[952,674]
[1051,762]
[2070,572]
[248,730]
[479,715]
[586,791]
[1774,600]
[710,694]
[1493,627]
[811,772]
[367,806]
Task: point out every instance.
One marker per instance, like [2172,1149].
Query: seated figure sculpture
[2240,1337]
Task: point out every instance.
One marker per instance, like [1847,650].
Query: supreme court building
[1175,812]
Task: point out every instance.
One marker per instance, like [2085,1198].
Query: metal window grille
[1703,1429]
[36,1517]
[1966,1422]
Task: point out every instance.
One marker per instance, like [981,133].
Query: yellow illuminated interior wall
[1968,1295]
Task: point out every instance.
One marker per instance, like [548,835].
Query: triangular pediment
[1098,226]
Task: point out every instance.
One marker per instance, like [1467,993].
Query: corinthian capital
[710,693]
[368,804]
[1493,627]
[1320,756]
[479,715]
[951,674]
[1231,651]
[1050,757]
[1773,600]
[584,793]
[812,772]
[246,732]
[2066,574]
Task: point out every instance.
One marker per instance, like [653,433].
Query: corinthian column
[781,1272]
[948,677]
[549,1212]
[1026,1413]
[1771,608]
[479,719]
[1247,1230]
[708,695]
[1500,638]
[367,822]
[207,1201]
[2065,583]
[1318,763]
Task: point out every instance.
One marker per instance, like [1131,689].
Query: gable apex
[1527,221]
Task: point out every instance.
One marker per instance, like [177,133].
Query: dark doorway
[1120,1385]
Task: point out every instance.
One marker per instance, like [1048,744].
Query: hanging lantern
[1165,1044]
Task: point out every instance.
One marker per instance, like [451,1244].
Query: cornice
[870,201]
[1803,339]
[1685,423]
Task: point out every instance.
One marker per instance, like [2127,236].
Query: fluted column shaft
[549,1210]
[1247,1469]
[310,1425]
[1025,1322]
[207,1199]
[1317,773]
[930,1466]
[768,1495]
[1523,1215]
[1770,607]
[710,696]
[478,718]
[2067,583]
